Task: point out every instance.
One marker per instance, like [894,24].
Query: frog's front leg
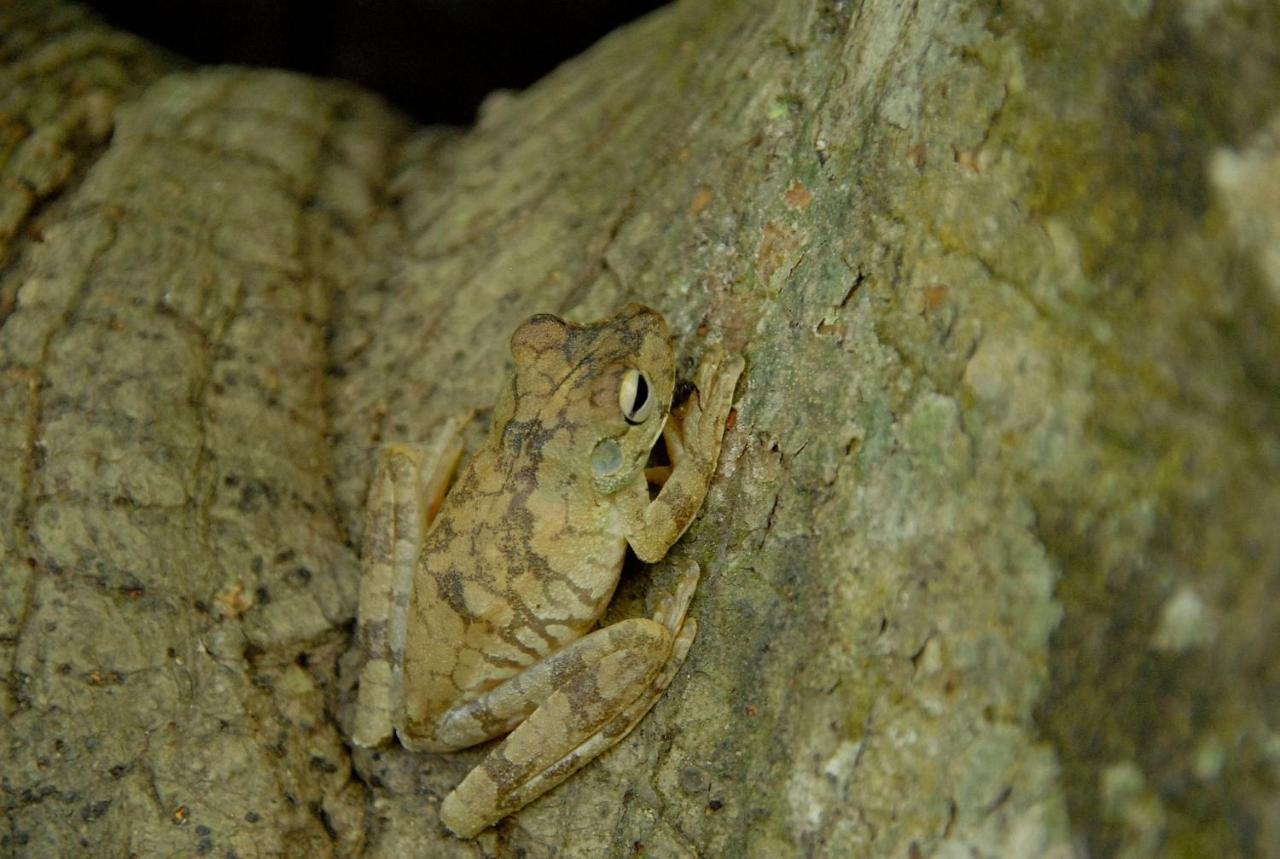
[693,434]
[566,710]
[408,486]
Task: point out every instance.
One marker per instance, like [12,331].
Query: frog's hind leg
[408,486]
[591,710]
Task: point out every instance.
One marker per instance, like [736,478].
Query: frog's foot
[622,671]
[672,613]
[672,608]
[696,427]
[408,486]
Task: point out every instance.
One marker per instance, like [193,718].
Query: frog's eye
[635,397]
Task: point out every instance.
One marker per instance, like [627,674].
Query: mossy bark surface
[991,563]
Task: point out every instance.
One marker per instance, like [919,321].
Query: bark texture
[991,567]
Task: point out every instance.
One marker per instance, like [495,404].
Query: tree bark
[991,563]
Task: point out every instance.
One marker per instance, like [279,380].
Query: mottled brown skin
[477,619]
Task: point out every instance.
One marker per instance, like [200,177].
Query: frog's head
[600,393]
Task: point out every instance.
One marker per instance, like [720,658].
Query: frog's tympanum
[479,600]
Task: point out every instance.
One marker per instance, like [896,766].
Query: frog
[483,584]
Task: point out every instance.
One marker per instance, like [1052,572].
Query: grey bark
[992,566]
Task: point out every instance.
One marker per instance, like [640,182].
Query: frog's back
[504,580]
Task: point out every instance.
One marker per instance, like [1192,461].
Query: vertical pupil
[642,393]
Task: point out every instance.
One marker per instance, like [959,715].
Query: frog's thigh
[502,708]
[406,491]
[583,699]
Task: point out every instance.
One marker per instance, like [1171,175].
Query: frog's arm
[693,434]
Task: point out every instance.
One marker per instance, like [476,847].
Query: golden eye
[635,397]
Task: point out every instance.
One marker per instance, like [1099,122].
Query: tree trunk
[991,564]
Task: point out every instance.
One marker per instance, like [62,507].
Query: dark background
[435,59]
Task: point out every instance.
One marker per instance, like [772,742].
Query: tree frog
[480,595]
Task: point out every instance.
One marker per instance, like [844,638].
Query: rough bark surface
[992,566]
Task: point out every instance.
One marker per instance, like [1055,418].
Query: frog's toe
[720,392]
[663,613]
[679,650]
[709,367]
[731,370]
[689,577]
[683,596]
[684,640]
